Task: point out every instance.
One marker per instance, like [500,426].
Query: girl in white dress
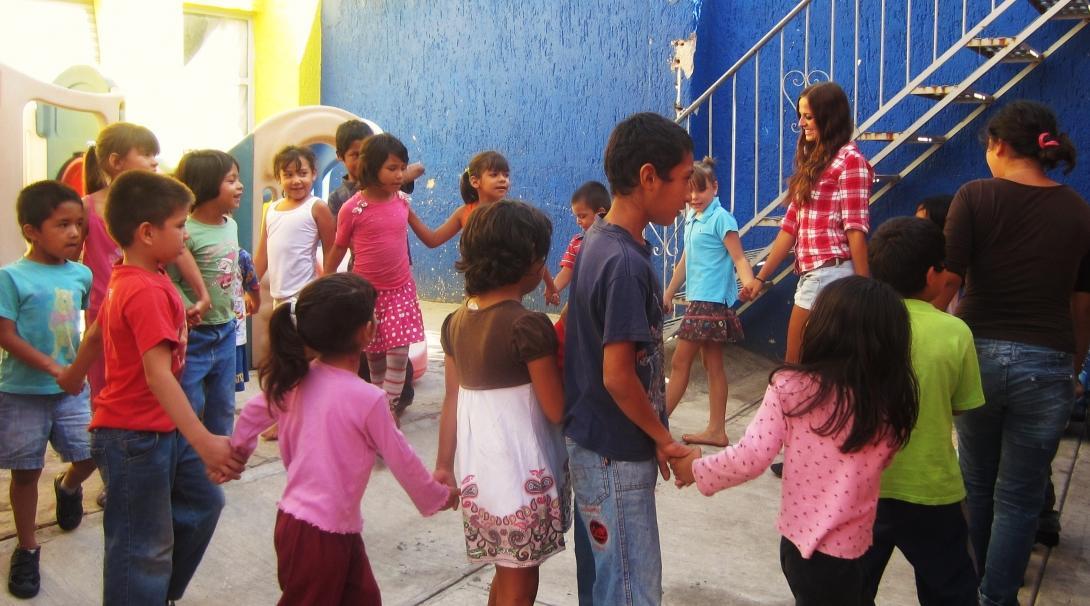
[499,435]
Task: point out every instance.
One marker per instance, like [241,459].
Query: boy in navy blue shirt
[615,409]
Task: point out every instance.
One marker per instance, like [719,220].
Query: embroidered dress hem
[715,322]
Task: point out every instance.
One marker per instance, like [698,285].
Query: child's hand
[69,381]
[668,301]
[251,305]
[217,478]
[219,458]
[552,295]
[683,467]
[667,451]
[194,313]
[413,171]
[452,500]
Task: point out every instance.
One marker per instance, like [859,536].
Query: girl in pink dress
[332,427]
[840,414]
[374,223]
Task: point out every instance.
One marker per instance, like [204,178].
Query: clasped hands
[677,458]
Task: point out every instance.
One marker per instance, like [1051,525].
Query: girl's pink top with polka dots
[829,498]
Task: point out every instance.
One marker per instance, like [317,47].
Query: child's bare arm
[552,293]
[25,352]
[733,244]
[562,279]
[440,235]
[448,419]
[90,349]
[622,383]
[333,258]
[548,387]
[675,284]
[261,253]
[191,275]
[857,244]
[327,226]
[214,451]
[253,301]
[683,467]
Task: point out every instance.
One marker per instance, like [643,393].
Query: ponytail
[478,165]
[469,195]
[93,179]
[1031,130]
[1051,156]
[286,363]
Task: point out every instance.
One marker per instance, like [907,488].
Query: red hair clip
[1045,140]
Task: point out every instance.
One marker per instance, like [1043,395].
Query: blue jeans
[209,375]
[1006,449]
[616,503]
[161,511]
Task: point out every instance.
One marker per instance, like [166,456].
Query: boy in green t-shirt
[919,506]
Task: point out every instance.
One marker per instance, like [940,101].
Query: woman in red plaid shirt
[827,215]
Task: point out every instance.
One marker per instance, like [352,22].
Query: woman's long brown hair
[833,116]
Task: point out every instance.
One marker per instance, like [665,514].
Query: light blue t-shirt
[44,301]
[709,270]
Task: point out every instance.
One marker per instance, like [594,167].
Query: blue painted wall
[541,82]
[545,86]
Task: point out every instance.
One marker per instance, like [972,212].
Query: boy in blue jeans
[41,296]
[161,508]
[919,505]
[615,410]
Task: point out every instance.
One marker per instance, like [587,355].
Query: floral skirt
[513,466]
[704,321]
[398,319]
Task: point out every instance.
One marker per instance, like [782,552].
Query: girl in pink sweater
[332,426]
[839,415]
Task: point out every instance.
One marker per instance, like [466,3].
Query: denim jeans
[209,375]
[616,503]
[161,511]
[1006,449]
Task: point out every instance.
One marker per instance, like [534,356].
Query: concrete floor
[722,550]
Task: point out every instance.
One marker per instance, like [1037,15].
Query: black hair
[478,165]
[902,250]
[349,132]
[118,138]
[291,155]
[139,197]
[203,171]
[500,244]
[594,195]
[833,116]
[376,150]
[327,317]
[704,174]
[1032,132]
[644,138]
[936,208]
[856,347]
[37,201]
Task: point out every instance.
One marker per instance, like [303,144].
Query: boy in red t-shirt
[161,508]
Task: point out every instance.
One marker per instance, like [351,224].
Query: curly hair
[500,244]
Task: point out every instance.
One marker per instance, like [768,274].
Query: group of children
[532,413]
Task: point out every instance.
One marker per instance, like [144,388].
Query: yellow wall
[288,48]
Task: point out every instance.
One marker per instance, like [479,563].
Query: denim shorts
[28,421]
[814,281]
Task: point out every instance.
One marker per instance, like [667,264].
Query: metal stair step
[941,92]
[1023,53]
[880,180]
[1079,9]
[773,221]
[890,136]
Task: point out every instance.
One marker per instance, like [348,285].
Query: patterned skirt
[513,470]
[398,319]
[704,321]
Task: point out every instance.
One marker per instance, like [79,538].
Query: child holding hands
[332,427]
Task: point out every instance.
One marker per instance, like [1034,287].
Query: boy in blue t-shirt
[615,409]
[41,296]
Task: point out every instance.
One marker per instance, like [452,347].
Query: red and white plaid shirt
[838,202]
[568,260]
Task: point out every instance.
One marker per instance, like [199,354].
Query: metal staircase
[962,59]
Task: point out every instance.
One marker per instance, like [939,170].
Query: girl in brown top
[499,432]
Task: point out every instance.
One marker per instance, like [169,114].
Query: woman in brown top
[499,429]
[1018,241]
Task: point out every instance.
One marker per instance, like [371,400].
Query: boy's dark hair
[376,150]
[856,348]
[291,155]
[349,132]
[704,174]
[326,317]
[478,165]
[1032,131]
[644,138]
[936,208]
[37,201]
[138,197]
[500,243]
[203,171]
[118,138]
[594,195]
[902,250]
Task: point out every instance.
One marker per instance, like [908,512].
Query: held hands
[668,301]
[445,476]
[552,295]
[220,461]
[683,467]
[68,380]
[753,289]
[196,311]
[668,451]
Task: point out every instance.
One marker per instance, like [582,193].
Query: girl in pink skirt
[375,223]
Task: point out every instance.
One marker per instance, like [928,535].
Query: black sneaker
[69,505]
[1048,528]
[24,579]
[777,469]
